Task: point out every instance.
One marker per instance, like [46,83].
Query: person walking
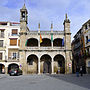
[77,71]
[81,72]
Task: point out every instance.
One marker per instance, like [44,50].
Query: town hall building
[44,51]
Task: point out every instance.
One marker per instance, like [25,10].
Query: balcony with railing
[13,59]
[45,48]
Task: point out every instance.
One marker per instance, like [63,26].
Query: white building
[9,45]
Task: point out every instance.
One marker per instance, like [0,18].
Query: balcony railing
[45,48]
[10,59]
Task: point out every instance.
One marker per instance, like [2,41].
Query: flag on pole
[51,37]
[63,41]
[40,38]
[26,43]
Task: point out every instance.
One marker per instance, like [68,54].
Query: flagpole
[52,35]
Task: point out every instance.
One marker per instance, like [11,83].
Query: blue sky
[47,11]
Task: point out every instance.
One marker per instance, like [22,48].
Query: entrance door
[47,67]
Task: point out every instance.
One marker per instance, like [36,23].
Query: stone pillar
[39,66]
[52,63]
[52,44]
[39,44]
[6,70]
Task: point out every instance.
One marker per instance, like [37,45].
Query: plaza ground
[45,82]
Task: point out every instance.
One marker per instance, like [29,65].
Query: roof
[24,7]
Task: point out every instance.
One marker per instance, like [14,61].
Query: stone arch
[59,63]
[45,63]
[13,66]
[2,68]
[32,42]
[57,42]
[32,64]
[46,42]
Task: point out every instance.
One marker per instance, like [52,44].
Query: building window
[0,56]
[18,42]
[14,32]
[1,43]
[85,26]
[2,33]
[89,25]
[88,50]
[86,39]
[14,55]
[13,42]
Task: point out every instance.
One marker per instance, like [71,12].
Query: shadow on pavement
[83,81]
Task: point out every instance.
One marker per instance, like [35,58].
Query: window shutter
[0,56]
[14,31]
[13,42]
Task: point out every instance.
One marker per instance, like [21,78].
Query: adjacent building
[81,48]
[9,45]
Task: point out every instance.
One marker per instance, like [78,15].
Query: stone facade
[48,56]
[81,48]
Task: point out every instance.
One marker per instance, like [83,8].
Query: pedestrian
[77,71]
[81,72]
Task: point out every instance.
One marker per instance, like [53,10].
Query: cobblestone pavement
[44,82]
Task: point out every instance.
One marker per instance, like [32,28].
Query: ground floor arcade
[45,64]
[5,67]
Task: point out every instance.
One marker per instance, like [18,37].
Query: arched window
[45,42]
[57,42]
[32,42]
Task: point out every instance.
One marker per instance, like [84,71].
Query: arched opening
[2,69]
[45,42]
[13,66]
[57,42]
[45,64]
[32,42]
[59,64]
[32,61]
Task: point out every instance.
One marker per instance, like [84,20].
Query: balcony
[10,59]
[3,48]
[45,48]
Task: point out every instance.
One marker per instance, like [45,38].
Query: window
[18,42]
[14,32]
[14,55]
[86,39]
[0,56]
[2,33]
[13,42]
[1,43]
[23,15]
[88,50]
[85,26]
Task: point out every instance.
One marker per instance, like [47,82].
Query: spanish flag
[40,38]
